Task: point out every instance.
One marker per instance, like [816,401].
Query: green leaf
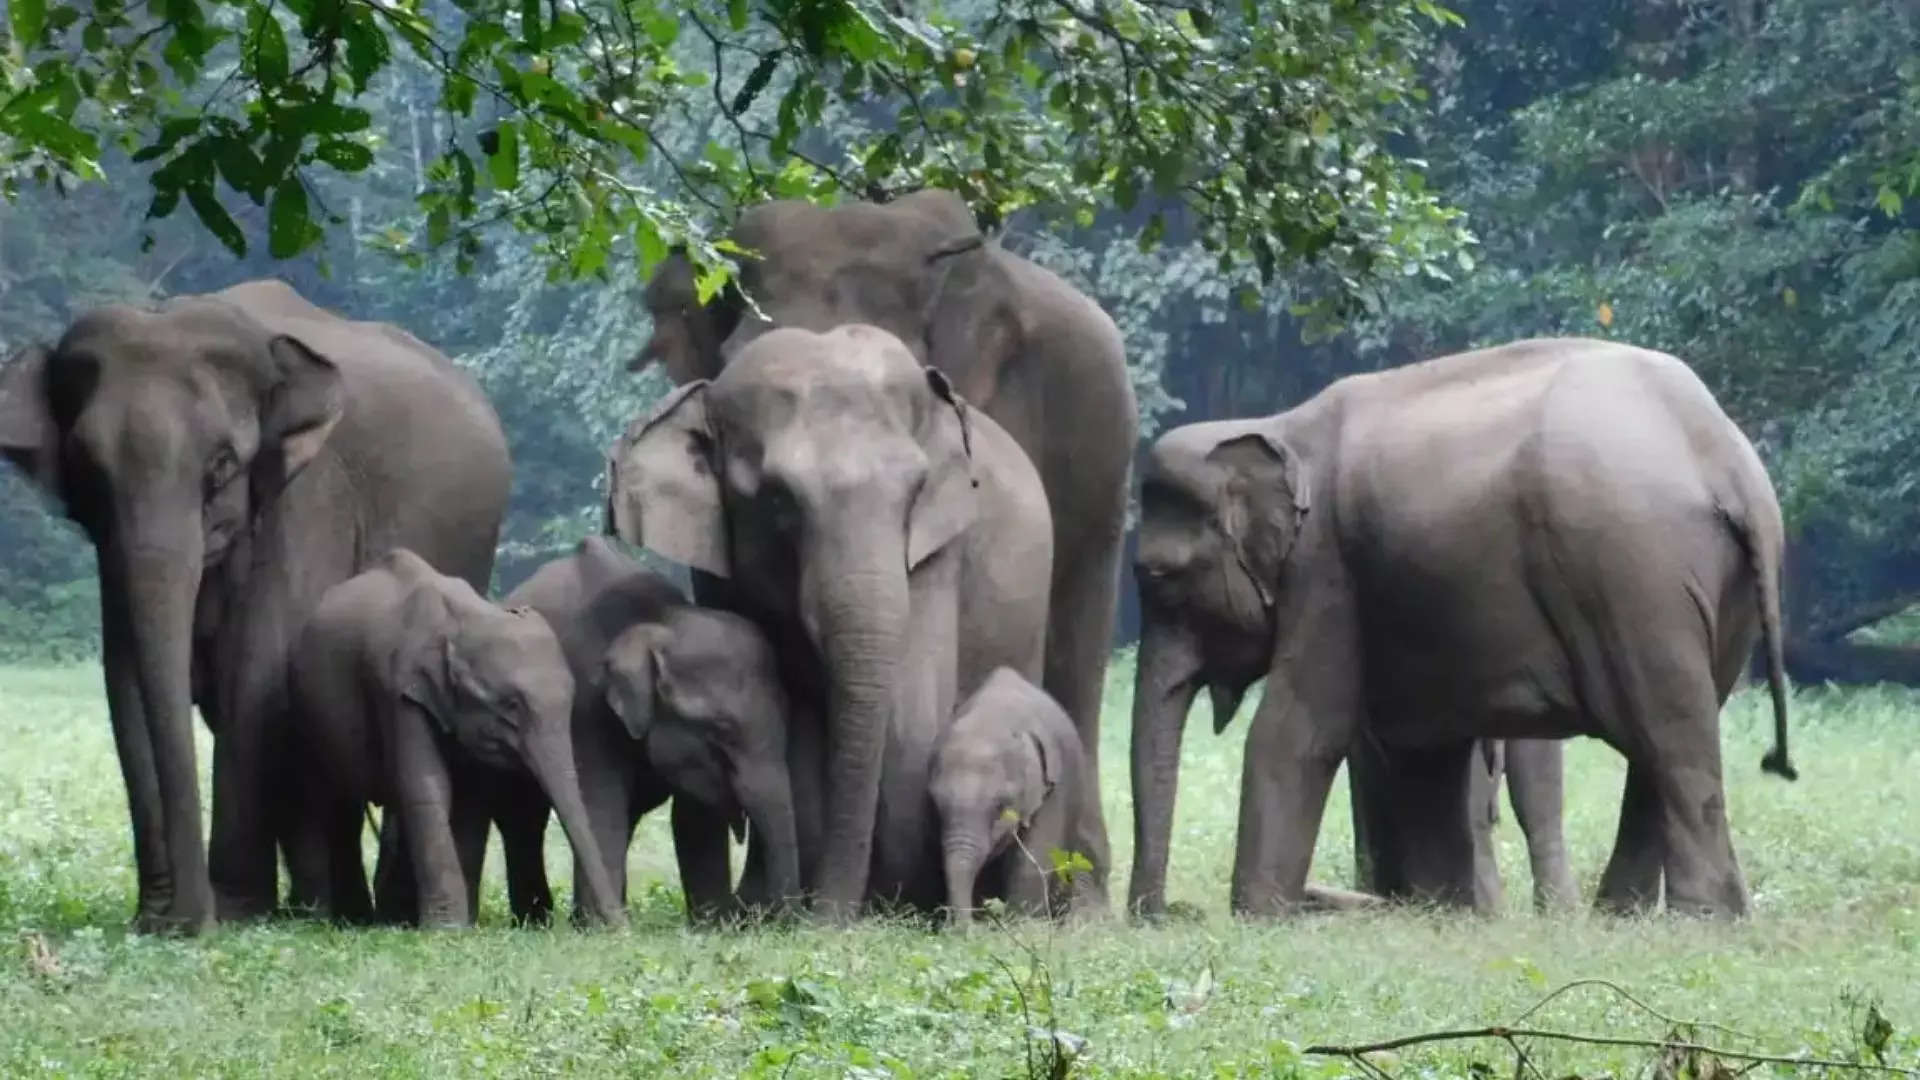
[1889,201]
[737,14]
[214,216]
[288,226]
[756,81]
[530,29]
[239,167]
[367,50]
[503,160]
[28,18]
[350,157]
[267,47]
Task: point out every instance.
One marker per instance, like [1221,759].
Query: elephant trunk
[150,577]
[767,797]
[551,759]
[962,857]
[856,608]
[1165,682]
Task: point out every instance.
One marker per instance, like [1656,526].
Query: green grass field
[1833,861]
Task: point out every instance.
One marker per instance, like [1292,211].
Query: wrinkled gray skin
[413,692]
[231,456]
[1400,856]
[673,703]
[893,543]
[1555,537]
[1006,781]
[1015,340]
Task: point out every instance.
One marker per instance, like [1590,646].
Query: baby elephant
[1010,767]
[699,692]
[412,691]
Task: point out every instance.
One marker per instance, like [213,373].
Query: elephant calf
[674,702]
[699,693]
[1007,780]
[412,691]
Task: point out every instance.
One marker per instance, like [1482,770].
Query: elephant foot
[233,909]
[169,924]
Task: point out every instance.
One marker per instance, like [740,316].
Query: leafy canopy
[619,128]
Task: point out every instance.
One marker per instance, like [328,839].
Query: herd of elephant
[897,465]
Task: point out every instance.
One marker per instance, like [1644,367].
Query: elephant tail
[1766,559]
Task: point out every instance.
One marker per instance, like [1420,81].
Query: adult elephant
[231,456]
[1553,537]
[1016,341]
[893,542]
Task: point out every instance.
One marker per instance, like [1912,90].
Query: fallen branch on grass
[1507,1034]
[1511,1034]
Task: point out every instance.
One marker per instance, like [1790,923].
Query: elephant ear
[947,500]
[663,488]
[425,669]
[297,414]
[629,678]
[972,326]
[29,438]
[1033,777]
[1265,496]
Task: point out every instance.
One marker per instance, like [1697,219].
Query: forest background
[1733,181]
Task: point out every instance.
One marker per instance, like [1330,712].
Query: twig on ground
[1508,1034]
[1704,1025]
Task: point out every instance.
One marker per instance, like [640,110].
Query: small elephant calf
[412,691]
[1008,778]
[699,692]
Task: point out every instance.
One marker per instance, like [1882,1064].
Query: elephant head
[1222,506]
[991,775]
[818,471]
[701,691]
[917,267]
[163,434]
[494,681]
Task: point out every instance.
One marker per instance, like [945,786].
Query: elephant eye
[222,467]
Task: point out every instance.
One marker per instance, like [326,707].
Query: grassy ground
[1833,863]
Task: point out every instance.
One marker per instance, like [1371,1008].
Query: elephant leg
[1083,605]
[1284,780]
[346,868]
[1379,865]
[1630,884]
[253,711]
[523,836]
[700,847]
[1026,883]
[427,823]
[1439,810]
[309,863]
[1702,874]
[470,818]
[1483,813]
[1536,786]
[396,895]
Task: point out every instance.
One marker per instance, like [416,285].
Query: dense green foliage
[1734,181]
[614,128]
[1731,182]
[1834,931]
